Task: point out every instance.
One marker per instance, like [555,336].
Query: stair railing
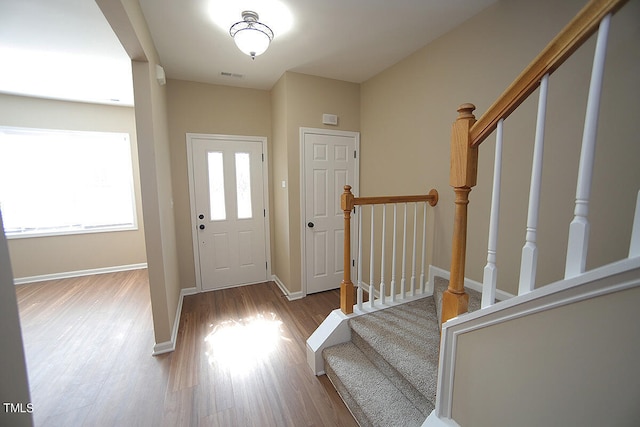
[467,135]
[408,286]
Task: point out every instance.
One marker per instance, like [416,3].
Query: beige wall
[407,112]
[570,366]
[280,232]
[211,109]
[300,101]
[125,17]
[60,254]
[296,101]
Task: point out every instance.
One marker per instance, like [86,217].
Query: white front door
[227,190]
[329,163]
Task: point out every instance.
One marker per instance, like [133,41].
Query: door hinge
[264,213]
[263,157]
[266,265]
[354,154]
[353,262]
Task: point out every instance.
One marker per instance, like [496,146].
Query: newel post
[462,177]
[346,287]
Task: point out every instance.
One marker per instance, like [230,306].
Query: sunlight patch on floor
[240,345]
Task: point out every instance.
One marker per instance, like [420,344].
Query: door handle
[310,224]
[201,216]
[201,226]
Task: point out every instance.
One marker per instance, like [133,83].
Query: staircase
[387,373]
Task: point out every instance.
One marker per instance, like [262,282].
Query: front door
[330,162]
[229,211]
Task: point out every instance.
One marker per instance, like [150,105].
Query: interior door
[229,208]
[330,162]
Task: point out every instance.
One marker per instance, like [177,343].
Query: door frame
[192,202]
[355,189]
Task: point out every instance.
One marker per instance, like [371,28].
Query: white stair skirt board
[433,421]
[601,281]
[333,330]
[291,296]
[634,246]
[78,273]
[471,284]
[169,346]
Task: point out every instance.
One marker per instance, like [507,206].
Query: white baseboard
[169,346]
[78,273]
[471,284]
[290,295]
[163,347]
[433,421]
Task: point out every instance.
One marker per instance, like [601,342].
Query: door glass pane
[243,185]
[216,187]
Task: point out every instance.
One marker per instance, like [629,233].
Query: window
[65,182]
[216,187]
[243,185]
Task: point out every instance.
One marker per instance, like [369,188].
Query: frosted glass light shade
[251,41]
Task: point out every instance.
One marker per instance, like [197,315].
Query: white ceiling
[66,49]
[62,49]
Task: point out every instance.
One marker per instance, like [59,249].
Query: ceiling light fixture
[251,36]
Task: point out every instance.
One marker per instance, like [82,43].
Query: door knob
[201,216]
[310,225]
[201,227]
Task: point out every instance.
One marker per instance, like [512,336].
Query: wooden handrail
[574,35]
[467,134]
[432,198]
[347,202]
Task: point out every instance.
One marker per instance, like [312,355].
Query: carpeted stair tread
[405,340]
[419,400]
[372,398]
[387,373]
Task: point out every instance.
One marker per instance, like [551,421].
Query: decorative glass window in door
[216,187]
[243,185]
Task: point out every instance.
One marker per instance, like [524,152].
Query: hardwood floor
[240,358]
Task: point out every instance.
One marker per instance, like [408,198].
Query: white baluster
[424,246]
[490,278]
[403,283]
[579,228]
[413,264]
[393,256]
[529,261]
[634,246]
[383,287]
[372,295]
[359,293]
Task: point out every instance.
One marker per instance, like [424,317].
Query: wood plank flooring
[240,357]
